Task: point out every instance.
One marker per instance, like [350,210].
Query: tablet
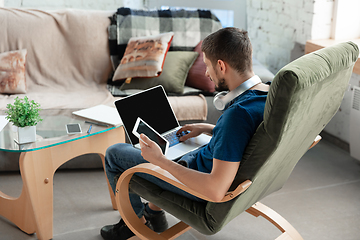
[142,127]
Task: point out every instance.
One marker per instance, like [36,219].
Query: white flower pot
[26,134]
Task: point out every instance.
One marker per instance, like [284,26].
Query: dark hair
[230,45]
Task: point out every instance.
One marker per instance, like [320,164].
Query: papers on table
[101,113]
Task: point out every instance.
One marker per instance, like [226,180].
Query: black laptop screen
[150,105]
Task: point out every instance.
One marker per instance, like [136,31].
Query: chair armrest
[316,141]
[164,175]
[134,222]
[238,190]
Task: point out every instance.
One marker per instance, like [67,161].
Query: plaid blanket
[189,28]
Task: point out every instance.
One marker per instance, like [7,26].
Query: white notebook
[101,113]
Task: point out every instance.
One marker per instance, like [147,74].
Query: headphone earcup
[223,98]
[219,102]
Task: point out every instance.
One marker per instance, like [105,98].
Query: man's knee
[113,151]
[115,148]
[122,156]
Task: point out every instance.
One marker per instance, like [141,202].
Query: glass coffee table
[32,211]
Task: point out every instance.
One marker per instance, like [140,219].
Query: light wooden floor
[321,200]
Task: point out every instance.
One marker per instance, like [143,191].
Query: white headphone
[223,98]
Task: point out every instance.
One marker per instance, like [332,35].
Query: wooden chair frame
[143,232]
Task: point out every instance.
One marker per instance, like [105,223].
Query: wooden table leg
[37,173]
[19,211]
[35,205]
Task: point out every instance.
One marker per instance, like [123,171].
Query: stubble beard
[221,86]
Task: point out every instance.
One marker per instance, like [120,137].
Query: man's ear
[221,66]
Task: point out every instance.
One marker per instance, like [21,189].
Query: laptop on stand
[153,106]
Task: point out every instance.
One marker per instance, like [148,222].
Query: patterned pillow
[144,57]
[196,77]
[12,72]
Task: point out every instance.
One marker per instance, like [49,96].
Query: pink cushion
[196,77]
[144,56]
[12,71]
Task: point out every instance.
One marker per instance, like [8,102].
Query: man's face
[213,74]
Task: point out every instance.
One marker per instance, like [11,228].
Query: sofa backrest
[66,49]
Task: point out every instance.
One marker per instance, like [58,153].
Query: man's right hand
[195,130]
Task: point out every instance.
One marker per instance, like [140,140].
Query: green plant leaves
[23,112]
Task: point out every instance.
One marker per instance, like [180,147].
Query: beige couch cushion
[68,61]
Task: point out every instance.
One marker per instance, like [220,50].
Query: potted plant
[24,114]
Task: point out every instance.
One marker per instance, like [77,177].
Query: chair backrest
[303,98]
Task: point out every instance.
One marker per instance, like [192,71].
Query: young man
[211,169]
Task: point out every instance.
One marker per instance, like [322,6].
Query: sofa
[68,59]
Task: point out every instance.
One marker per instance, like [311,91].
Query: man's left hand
[150,151]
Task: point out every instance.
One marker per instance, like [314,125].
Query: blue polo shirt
[233,130]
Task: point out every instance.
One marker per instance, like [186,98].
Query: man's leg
[121,157]
[118,159]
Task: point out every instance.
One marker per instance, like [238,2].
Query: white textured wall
[276,27]
[279,29]
[80,4]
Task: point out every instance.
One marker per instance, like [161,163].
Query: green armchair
[303,98]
